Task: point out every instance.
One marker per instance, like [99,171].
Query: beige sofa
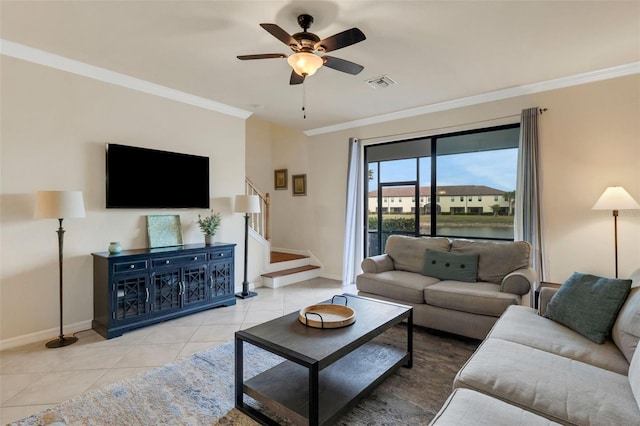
[532,370]
[468,308]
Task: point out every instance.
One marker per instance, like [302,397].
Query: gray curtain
[527,211]
[353,215]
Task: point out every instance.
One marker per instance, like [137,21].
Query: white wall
[54,127]
[590,139]
[258,159]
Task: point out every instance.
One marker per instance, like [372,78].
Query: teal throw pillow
[450,266]
[589,304]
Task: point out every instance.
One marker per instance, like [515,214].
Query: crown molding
[512,92]
[41,57]
[36,56]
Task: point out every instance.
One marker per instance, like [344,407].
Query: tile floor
[33,378]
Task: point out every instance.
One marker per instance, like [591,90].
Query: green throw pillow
[589,304]
[450,266]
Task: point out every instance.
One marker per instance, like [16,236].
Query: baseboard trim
[44,335]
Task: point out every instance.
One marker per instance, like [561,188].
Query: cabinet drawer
[221,254]
[129,266]
[179,260]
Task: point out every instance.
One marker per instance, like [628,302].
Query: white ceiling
[436,51]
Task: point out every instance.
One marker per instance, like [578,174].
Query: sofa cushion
[626,330]
[495,260]
[408,252]
[477,298]
[521,324]
[467,407]
[451,266]
[402,286]
[559,388]
[589,304]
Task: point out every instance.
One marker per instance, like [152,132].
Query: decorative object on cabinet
[140,287]
[299,184]
[59,205]
[246,204]
[280,179]
[615,198]
[115,247]
[209,226]
[164,230]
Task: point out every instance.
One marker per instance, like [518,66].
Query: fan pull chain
[304,99]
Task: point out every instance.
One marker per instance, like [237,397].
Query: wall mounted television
[150,178]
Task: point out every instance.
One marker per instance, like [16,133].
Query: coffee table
[326,371]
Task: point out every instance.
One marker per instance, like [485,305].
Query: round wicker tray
[327,316]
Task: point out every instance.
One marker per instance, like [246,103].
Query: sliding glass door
[455,185]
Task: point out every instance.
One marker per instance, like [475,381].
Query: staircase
[282,268]
[288,268]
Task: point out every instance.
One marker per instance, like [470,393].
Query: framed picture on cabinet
[280,179]
[299,184]
[164,230]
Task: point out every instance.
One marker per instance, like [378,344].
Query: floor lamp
[246,204]
[615,198]
[59,205]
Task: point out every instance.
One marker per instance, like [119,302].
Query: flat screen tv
[149,178]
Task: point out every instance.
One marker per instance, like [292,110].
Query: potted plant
[209,226]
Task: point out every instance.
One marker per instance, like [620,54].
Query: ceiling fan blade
[340,40]
[262,56]
[342,65]
[281,35]
[295,78]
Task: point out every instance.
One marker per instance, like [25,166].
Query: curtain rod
[540,110]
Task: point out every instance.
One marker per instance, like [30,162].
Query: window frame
[385,155]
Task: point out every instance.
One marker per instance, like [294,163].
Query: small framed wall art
[299,184]
[280,179]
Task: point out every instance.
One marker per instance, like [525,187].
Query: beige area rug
[199,390]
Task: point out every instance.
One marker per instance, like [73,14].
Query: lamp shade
[247,204]
[615,198]
[305,63]
[59,204]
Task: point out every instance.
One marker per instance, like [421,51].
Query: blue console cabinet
[136,288]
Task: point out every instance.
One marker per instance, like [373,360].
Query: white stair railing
[259,222]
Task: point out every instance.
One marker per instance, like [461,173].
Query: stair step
[285,277]
[290,271]
[278,256]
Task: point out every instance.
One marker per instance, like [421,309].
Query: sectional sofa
[454,285]
[533,370]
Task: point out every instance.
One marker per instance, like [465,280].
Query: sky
[496,169]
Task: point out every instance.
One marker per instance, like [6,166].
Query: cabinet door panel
[131,297]
[167,291]
[195,285]
[221,276]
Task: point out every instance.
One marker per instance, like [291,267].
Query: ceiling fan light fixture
[305,63]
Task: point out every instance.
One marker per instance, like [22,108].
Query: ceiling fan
[305,61]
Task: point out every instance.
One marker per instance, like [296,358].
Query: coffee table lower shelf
[285,388]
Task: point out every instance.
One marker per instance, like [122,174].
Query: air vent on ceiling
[381,82]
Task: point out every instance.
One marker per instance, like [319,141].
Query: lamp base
[246,295]
[61,341]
